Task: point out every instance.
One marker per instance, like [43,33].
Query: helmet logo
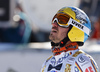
[80,16]
[78,25]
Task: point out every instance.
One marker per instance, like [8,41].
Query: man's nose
[55,24]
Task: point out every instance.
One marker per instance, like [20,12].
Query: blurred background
[25,26]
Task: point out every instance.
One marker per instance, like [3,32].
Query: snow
[29,60]
[30,57]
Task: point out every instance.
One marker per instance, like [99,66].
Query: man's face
[57,33]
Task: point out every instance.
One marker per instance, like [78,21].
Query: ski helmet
[81,26]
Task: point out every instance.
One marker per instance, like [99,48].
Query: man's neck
[69,46]
[61,43]
[64,45]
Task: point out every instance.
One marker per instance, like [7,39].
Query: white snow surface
[30,57]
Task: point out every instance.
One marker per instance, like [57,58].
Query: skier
[71,27]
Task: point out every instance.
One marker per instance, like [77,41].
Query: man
[70,28]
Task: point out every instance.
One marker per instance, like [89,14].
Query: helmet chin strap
[61,43]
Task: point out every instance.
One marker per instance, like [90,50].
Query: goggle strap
[79,26]
[76,24]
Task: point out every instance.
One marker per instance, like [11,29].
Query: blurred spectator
[20,31]
[96,32]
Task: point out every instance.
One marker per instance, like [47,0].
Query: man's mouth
[54,29]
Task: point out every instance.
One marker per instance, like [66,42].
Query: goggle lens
[61,19]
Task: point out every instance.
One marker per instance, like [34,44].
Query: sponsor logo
[68,68]
[62,58]
[89,69]
[53,60]
[77,53]
[81,59]
[77,24]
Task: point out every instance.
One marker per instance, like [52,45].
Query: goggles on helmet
[61,20]
[65,20]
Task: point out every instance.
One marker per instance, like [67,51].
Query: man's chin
[51,37]
[54,39]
